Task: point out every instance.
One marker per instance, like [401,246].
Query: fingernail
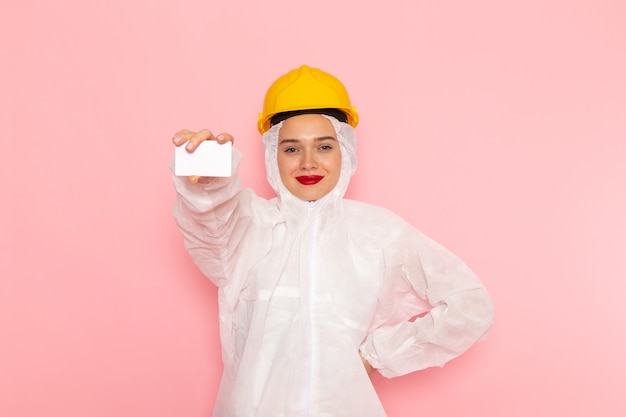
[220,137]
[189,146]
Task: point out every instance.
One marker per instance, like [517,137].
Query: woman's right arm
[208,211]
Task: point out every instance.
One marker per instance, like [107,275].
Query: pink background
[498,128]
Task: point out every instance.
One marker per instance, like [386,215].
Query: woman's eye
[290,150]
[326,147]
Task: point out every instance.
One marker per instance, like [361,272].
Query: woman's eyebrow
[318,139]
[288,141]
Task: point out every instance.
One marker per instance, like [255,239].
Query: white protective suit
[303,287]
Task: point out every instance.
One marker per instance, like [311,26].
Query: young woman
[317,291]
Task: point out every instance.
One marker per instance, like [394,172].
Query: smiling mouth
[309,179]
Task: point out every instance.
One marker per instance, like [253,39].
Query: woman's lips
[309,179]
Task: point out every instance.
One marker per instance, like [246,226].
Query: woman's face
[309,158]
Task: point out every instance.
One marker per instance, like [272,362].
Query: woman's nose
[308,160]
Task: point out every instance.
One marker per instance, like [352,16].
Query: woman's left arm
[460,315]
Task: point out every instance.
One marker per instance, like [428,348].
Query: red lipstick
[309,179]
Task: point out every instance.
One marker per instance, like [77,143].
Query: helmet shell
[306,88]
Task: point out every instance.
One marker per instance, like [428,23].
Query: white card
[210,159]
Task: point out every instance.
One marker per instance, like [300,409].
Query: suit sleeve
[212,218]
[460,311]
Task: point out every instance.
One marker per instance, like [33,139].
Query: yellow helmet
[306,88]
